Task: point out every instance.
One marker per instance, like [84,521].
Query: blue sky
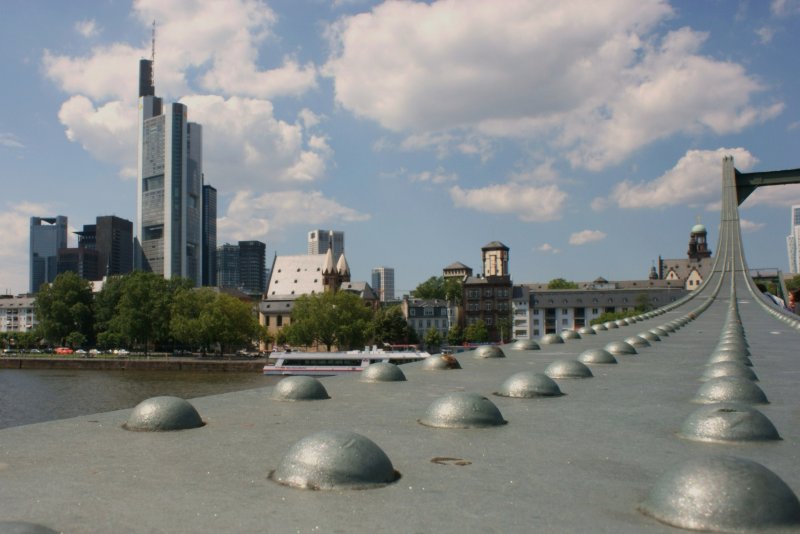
[587,136]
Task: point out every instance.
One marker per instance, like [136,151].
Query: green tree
[185,325]
[75,340]
[476,332]
[143,311]
[229,322]
[455,336]
[433,339]
[63,307]
[432,288]
[793,283]
[560,283]
[389,326]
[437,287]
[643,303]
[504,328]
[105,304]
[329,319]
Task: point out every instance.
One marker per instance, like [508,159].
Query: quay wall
[104,364]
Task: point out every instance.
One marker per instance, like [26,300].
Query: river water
[32,396]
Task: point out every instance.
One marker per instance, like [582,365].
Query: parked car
[64,350]
[80,351]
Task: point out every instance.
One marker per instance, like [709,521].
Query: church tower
[698,243]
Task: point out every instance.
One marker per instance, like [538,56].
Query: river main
[33,396]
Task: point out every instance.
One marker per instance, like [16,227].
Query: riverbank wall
[108,364]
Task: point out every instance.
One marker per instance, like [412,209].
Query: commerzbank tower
[169,191]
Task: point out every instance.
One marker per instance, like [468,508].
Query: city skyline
[586,137]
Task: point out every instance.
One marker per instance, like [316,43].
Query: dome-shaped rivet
[637,341]
[158,414]
[601,356]
[660,332]
[443,362]
[335,460]
[649,336]
[691,496]
[630,320]
[299,388]
[721,369]
[669,327]
[611,325]
[599,328]
[730,389]
[586,331]
[489,351]
[729,356]
[551,339]
[620,347]
[728,422]
[462,410]
[568,369]
[526,385]
[569,334]
[525,344]
[621,322]
[382,372]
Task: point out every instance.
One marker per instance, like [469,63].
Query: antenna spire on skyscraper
[153,55]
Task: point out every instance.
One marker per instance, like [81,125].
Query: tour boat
[335,363]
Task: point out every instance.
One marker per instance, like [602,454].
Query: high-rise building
[383,283]
[169,186]
[252,276]
[242,266]
[319,241]
[228,265]
[47,236]
[104,248]
[209,236]
[793,241]
[114,244]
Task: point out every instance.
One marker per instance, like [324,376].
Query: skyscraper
[383,282]
[209,236]
[114,243]
[228,265]
[793,241]
[169,186]
[104,248]
[45,240]
[251,266]
[319,241]
[242,266]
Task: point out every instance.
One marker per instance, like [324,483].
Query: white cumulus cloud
[594,80]
[695,178]
[251,214]
[586,236]
[547,248]
[87,28]
[528,204]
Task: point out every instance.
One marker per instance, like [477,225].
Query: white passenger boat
[335,363]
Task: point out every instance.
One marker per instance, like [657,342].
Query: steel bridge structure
[696,426]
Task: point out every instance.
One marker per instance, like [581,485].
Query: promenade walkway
[588,461]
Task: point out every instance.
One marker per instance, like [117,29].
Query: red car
[64,350]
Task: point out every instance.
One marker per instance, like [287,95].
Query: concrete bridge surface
[651,441]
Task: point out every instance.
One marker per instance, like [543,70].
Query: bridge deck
[582,462]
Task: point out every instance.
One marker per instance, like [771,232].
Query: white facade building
[17,314]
